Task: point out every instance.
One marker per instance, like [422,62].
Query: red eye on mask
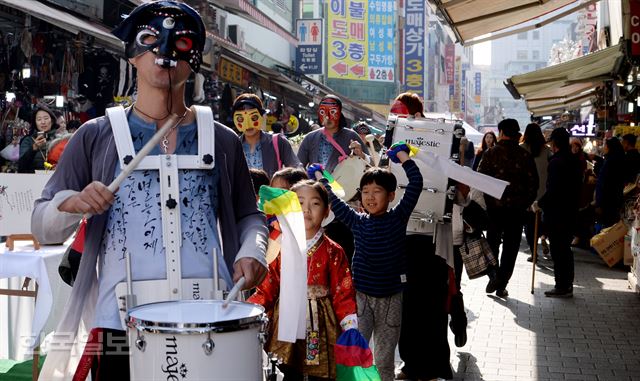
[184,44]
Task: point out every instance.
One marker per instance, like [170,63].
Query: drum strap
[330,139]
[168,166]
[274,140]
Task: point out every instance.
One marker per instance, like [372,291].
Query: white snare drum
[434,204]
[196,340]
[348,174]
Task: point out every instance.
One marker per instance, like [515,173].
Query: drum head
[194,314]
[348,174]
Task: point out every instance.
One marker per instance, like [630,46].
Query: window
[522,36]
[535,55]
[522,55]
[536,34]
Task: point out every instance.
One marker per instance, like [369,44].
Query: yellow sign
[347,39]
[233,73]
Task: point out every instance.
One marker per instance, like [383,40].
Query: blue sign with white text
[309,53]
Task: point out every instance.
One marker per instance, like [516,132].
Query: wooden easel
[11,239]
[24,291]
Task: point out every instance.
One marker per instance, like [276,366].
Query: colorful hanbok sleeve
[343,293]
[268,291]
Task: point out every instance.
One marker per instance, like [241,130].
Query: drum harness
[174,287]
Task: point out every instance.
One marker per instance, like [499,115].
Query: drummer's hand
[94,199]
[314,171]
[252,271]
[398,153]
[356,147]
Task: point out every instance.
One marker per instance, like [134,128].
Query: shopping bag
[477,256]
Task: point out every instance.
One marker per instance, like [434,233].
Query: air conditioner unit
[236,35]
[221,20]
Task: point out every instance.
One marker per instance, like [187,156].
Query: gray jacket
[91,156]
[309,151]
[269,159]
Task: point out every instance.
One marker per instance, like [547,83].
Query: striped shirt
[379,264]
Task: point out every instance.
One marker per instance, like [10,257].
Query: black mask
[172,31]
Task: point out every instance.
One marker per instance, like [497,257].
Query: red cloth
[78,242]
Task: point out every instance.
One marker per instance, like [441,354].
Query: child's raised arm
[341,209]
[399,154]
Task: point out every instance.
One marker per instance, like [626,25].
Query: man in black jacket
[560,209]
[510,162]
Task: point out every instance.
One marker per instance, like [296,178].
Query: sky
[482,53]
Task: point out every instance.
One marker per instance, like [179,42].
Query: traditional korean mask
[172,31]
[329,110]
[247,119]
[248,114]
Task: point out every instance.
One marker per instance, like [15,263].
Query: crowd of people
[363,270]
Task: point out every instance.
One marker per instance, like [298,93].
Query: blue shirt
[325,150]
[135,224]
[379,262]
[254,159]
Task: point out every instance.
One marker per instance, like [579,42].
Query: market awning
[65,21]
[541,108]
[469,19]
[566,84]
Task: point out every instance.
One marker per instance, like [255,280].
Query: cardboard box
[609,243]
[627,256]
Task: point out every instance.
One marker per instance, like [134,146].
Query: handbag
[477,256]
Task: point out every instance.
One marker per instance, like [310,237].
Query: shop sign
[584,130]
[477,85]
[635,27]
[360,39]
[230,72]
[456,103]
[449,57]
[414,47]
[309,52]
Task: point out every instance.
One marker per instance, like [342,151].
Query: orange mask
[329,109]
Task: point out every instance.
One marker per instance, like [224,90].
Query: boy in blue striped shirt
[379,264]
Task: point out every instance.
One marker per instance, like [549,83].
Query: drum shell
[434,205]
[174,351]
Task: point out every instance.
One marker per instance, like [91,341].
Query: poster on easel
[18,192]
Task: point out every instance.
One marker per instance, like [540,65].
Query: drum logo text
[171,368]
[422,142]
[196,291]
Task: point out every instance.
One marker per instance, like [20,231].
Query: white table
[20,319]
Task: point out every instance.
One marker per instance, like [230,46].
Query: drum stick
[233,294]
[155,139]
[535,249]
[216,279]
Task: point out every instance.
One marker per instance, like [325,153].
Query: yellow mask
[247,119]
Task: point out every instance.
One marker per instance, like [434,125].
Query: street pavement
[593,336]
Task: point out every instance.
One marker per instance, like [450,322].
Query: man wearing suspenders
[188,206]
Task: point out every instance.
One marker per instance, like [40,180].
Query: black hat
[559,135]
[509,127]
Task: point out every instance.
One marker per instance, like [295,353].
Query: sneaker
[530,258]
[545,246]
[402,376]
[502,293]
[559,293]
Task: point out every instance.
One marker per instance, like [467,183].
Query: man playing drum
[211,199]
